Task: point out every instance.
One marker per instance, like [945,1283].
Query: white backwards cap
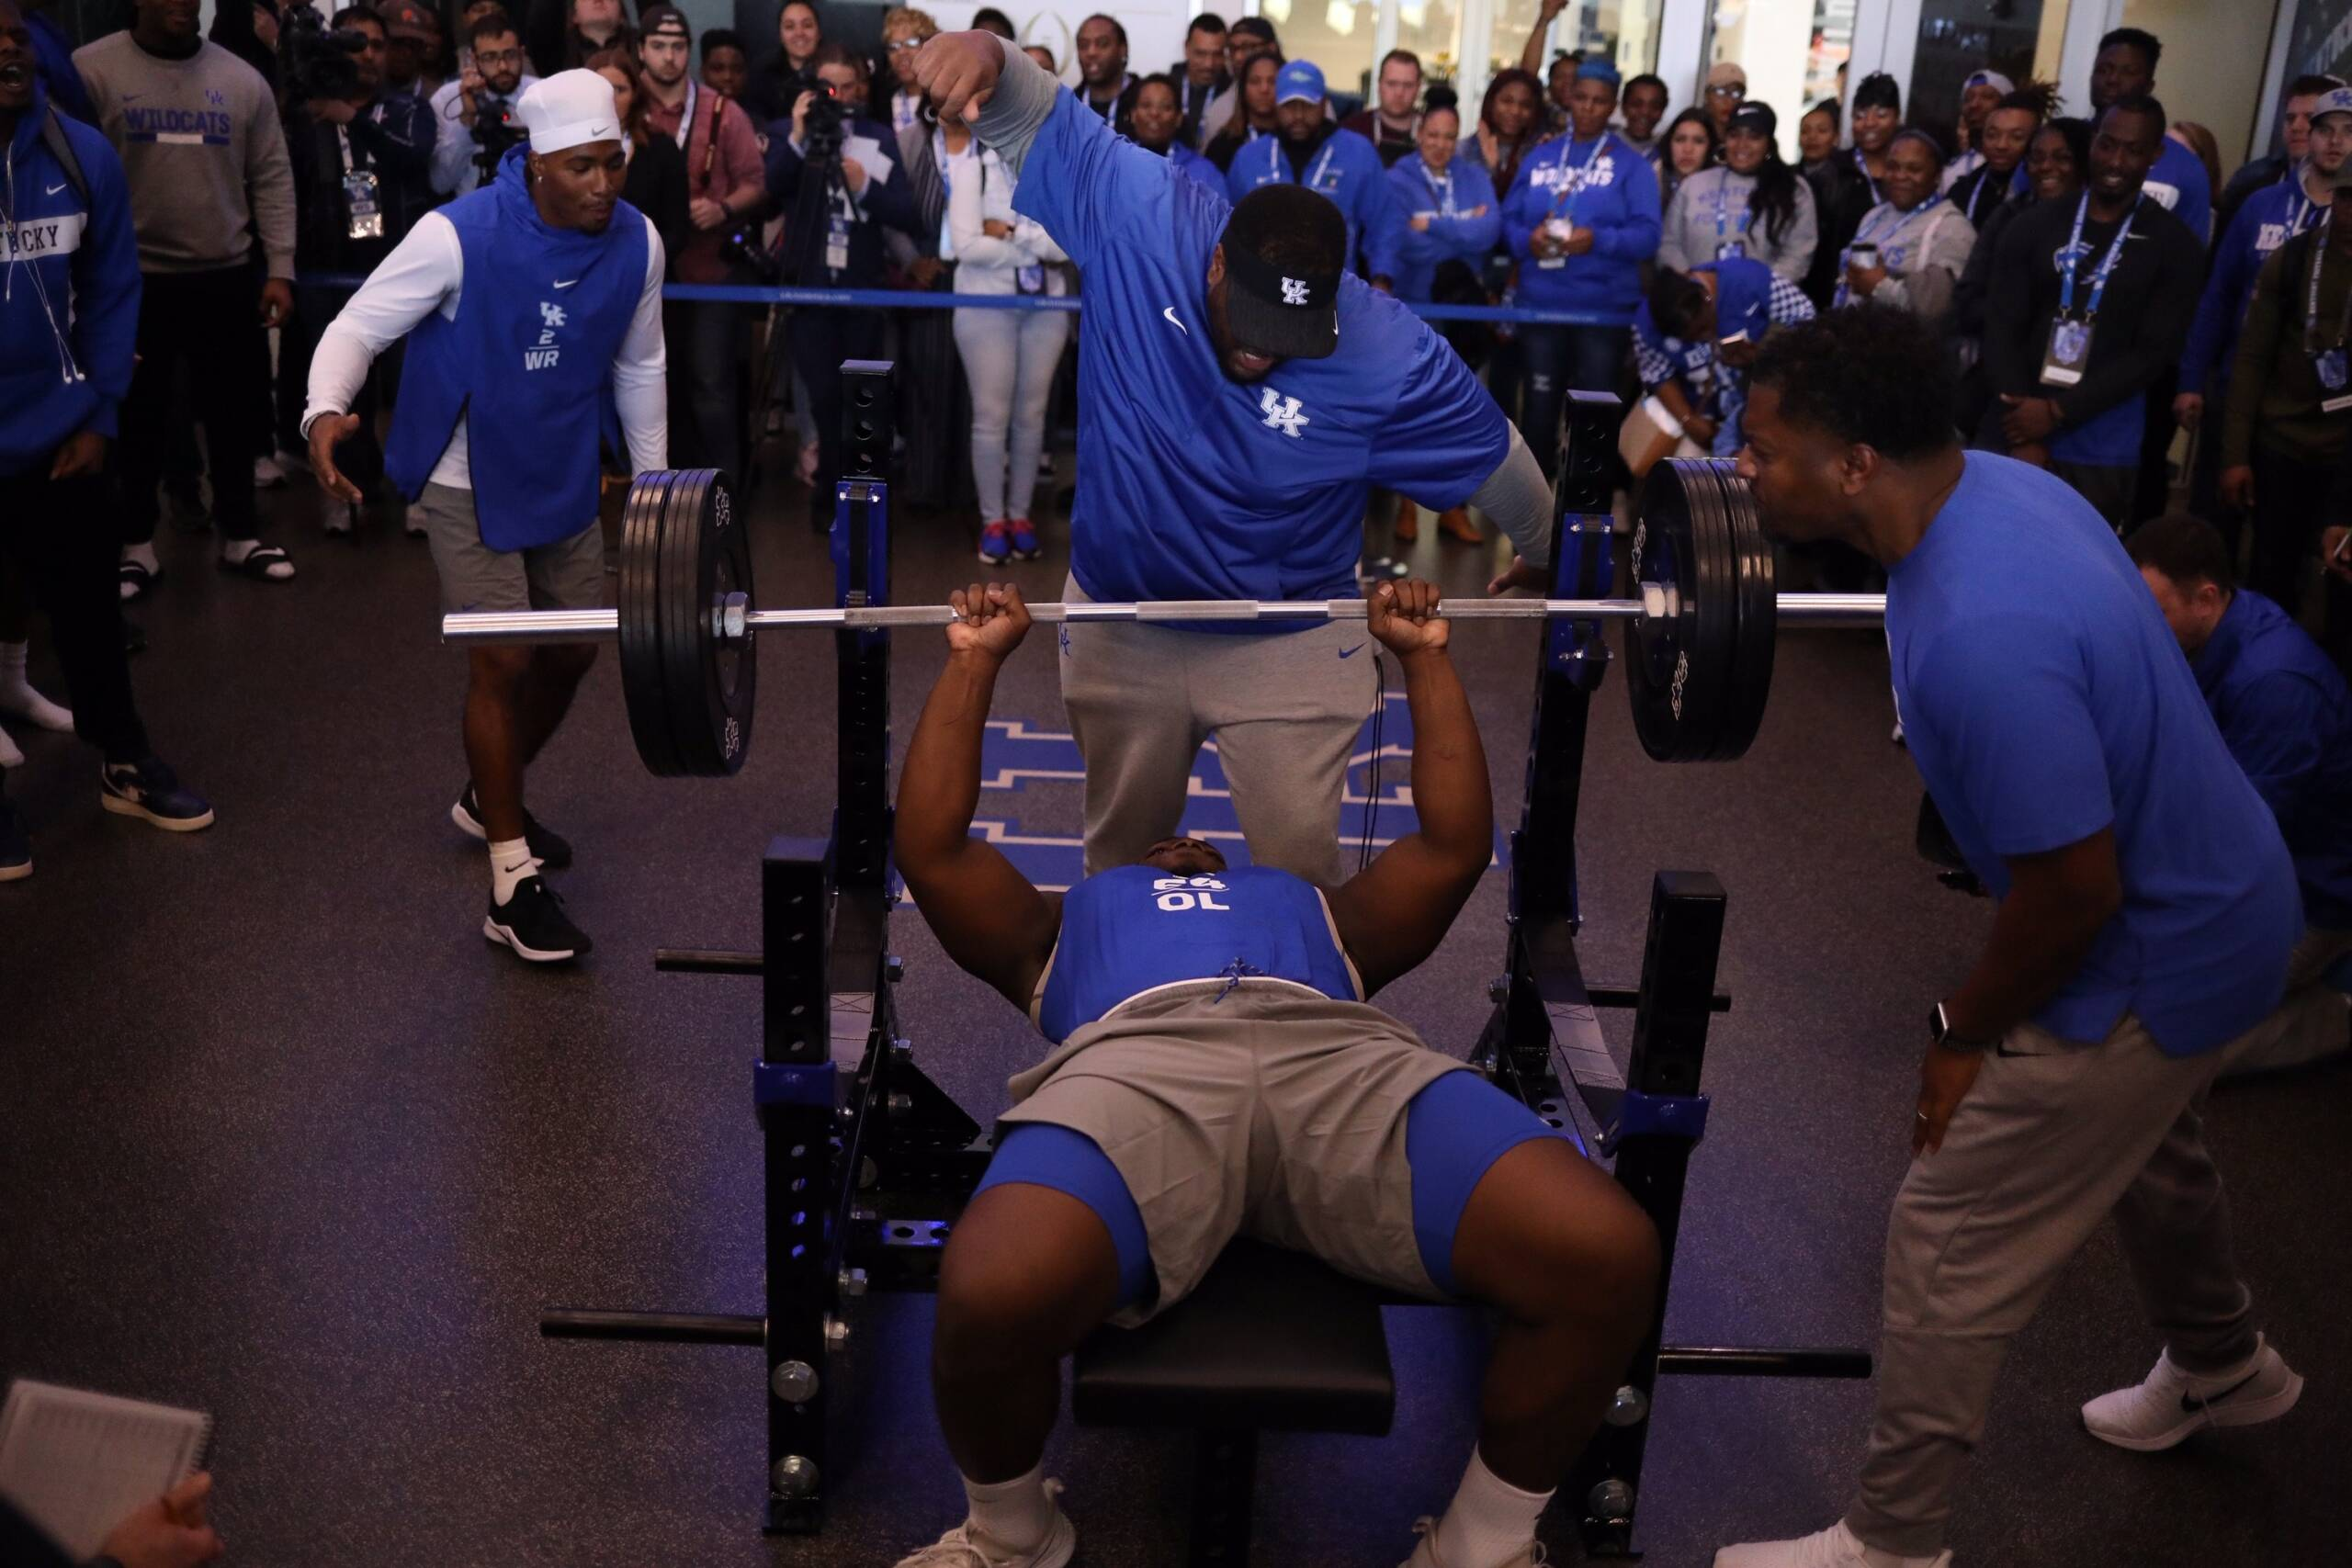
[570,110]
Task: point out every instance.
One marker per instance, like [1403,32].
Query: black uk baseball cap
[1285,250]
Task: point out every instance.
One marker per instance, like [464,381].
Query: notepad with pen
[76,1463]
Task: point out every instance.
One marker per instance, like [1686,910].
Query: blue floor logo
[1378,800]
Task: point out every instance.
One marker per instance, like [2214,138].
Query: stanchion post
[862,576]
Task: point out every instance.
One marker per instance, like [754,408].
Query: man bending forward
[1216,1072]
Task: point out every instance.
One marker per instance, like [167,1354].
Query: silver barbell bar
[731,618]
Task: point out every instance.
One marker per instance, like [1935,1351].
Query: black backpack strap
[61,147]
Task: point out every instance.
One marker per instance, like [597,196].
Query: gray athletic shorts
[1264,1111]
[566,575]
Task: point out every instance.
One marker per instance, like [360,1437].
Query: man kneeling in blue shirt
[2147,909]
[2286,714]
[1237,391]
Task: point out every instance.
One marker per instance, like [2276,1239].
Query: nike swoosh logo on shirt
[567,283]
[55,189]
[1351,652]
[1170,311]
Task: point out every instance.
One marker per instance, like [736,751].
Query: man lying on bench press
[1217,1073]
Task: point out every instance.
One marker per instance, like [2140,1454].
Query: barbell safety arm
[602,625]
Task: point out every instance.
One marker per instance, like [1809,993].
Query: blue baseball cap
[1298,80]
[1599,68]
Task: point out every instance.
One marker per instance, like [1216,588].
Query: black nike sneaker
[533,923]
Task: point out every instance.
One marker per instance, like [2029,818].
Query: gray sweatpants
[2052,1137]
[2314,1021]
[1285,708]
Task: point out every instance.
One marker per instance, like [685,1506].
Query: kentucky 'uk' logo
[1282,413]
[1294,291]
[545,355]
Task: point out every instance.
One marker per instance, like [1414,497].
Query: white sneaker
[267,475]
[1832,1548]
[2172,1404]
[967,1547]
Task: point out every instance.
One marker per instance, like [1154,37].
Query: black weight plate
[684,545]
[706,554]
[1758,634]
[638,603]
[1707,690]
[1659,649]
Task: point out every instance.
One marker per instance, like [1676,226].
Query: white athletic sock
[1490,1522]
[17,695]
[510,863]
[1015,1513]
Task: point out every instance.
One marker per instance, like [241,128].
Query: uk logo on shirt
[1282,413]
[545,355]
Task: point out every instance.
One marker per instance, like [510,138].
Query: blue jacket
[1452,234]
[1347,169]
[69,291]
[890,201]
[2287,718]
[1610,190]
[2267,219]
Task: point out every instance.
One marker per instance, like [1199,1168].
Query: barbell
[1697,643]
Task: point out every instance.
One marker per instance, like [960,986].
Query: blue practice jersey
[1193,485]
[1136,928]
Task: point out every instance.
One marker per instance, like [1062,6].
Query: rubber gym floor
[283,1138]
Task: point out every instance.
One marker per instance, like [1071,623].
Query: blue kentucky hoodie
[69,289]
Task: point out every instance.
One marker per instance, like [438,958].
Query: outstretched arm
[1393,914]
[992,922]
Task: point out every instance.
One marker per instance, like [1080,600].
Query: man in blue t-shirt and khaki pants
[1238,392]
[2147,909]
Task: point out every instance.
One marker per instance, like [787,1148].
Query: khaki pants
[2053,1137]
[1285,708]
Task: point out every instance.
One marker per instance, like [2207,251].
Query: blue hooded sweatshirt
[1452,233]
[69,290]
[1347,169]
[2266,220]
[1606,188]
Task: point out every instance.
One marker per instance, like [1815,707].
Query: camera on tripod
[320,62]
[822,127]
[496,127]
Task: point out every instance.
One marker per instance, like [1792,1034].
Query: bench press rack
[867,1164]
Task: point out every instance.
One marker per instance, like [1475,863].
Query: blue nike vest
[527,363]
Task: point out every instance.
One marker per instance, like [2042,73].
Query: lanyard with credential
[1864,165]
[1894,219]
[1314,171]
[2105,265]
[1572,187]
[686,118]
[1722,187]
[2310,308]
[1443,187]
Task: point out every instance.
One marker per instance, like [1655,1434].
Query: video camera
[496,127]
[318,61]
[821,127]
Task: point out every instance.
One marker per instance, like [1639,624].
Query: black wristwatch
[1941,1030]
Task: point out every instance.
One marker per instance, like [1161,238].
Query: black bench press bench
[867,1164]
